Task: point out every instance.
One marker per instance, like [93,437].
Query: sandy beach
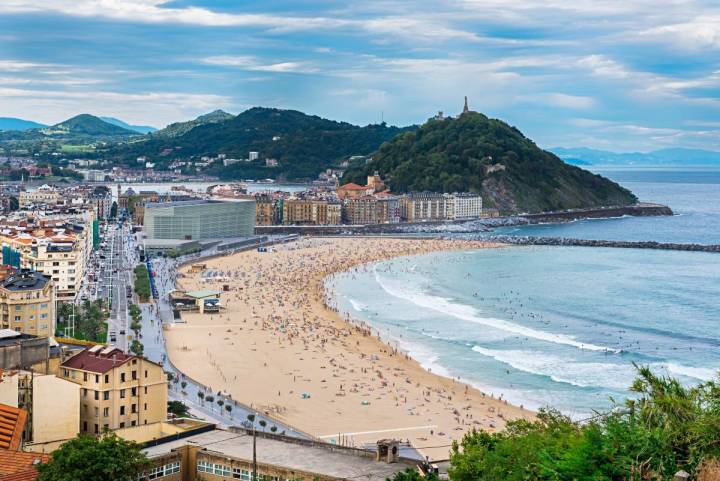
[277,346]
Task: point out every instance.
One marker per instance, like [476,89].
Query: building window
[145,390]
[204,467]
[134,375]
[97,429]
[243,474]
[85,426]
[145,407]
[97,395]
[122,377]
[106,395]
[85,376]
[122,394]
[107,378]
[133,408]
[122,410]
[122,425]
[97,378]
[106,412]
[133,391]
[222,470]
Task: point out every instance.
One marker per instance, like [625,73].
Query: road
[121,260]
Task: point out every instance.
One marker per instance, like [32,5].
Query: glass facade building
[199,219]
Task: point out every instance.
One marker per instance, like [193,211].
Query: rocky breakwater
[636,210]
[561,241]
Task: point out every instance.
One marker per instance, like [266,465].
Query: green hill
[304,145]
[12,123]
[86,125]
[476,154]
[177,129]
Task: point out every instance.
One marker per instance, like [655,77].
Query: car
[122,332]
[113,339]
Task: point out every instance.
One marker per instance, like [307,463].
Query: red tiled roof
[19,465]
[12,423]
[97,362]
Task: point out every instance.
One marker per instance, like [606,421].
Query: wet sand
[277,346]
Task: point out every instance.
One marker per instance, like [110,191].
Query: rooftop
[314,457]
[203,293]
[12,424]
[19,465]
[98,359]
[25,280]
[183,203]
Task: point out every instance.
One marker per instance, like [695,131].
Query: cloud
[560,100]
[254,64]
[699,33]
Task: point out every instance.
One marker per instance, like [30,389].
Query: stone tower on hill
[465,108]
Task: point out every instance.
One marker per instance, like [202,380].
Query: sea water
[560,326]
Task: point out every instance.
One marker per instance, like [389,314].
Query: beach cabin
[197,268]
[207,300]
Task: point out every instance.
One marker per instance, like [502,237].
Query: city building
[199,219]
[43,397]
[423,206]
[43,196]
[190,450]
[57,244]
[27,303]
[464,206]
[311,212]
[25,351]
[266,210]
[377,209]
[253,156]
[117,389]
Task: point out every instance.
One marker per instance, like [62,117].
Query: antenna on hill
[382,116]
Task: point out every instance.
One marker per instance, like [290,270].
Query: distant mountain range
[143,129]
[673,156]
[12,123]
[81,128]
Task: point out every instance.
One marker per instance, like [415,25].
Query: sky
[628,75]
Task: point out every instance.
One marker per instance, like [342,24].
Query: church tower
[465,108]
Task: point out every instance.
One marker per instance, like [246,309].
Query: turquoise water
[560,326]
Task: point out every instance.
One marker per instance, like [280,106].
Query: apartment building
[378,209]
[59,249]
[27,303]
[463,206]
[311,212]
[117,390]
[52,404]
[266,210]
[423,206]
[433,206]
[43,196]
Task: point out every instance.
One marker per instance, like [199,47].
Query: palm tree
[228,408]
[183,385]
[210,399]
[201,396]
[220,403]
[262,423]
[273,429]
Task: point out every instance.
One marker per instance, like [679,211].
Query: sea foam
[470,314]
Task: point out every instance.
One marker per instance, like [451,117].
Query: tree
[201,396]
[411,474]
[210,399]
[183,385]
[86,457]
[273,429]
[177,408]
[136,347]
[262,423]
[220,403]
[228,408]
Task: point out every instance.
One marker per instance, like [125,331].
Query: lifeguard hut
[206,300]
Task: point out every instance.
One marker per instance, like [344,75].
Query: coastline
[332,379]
